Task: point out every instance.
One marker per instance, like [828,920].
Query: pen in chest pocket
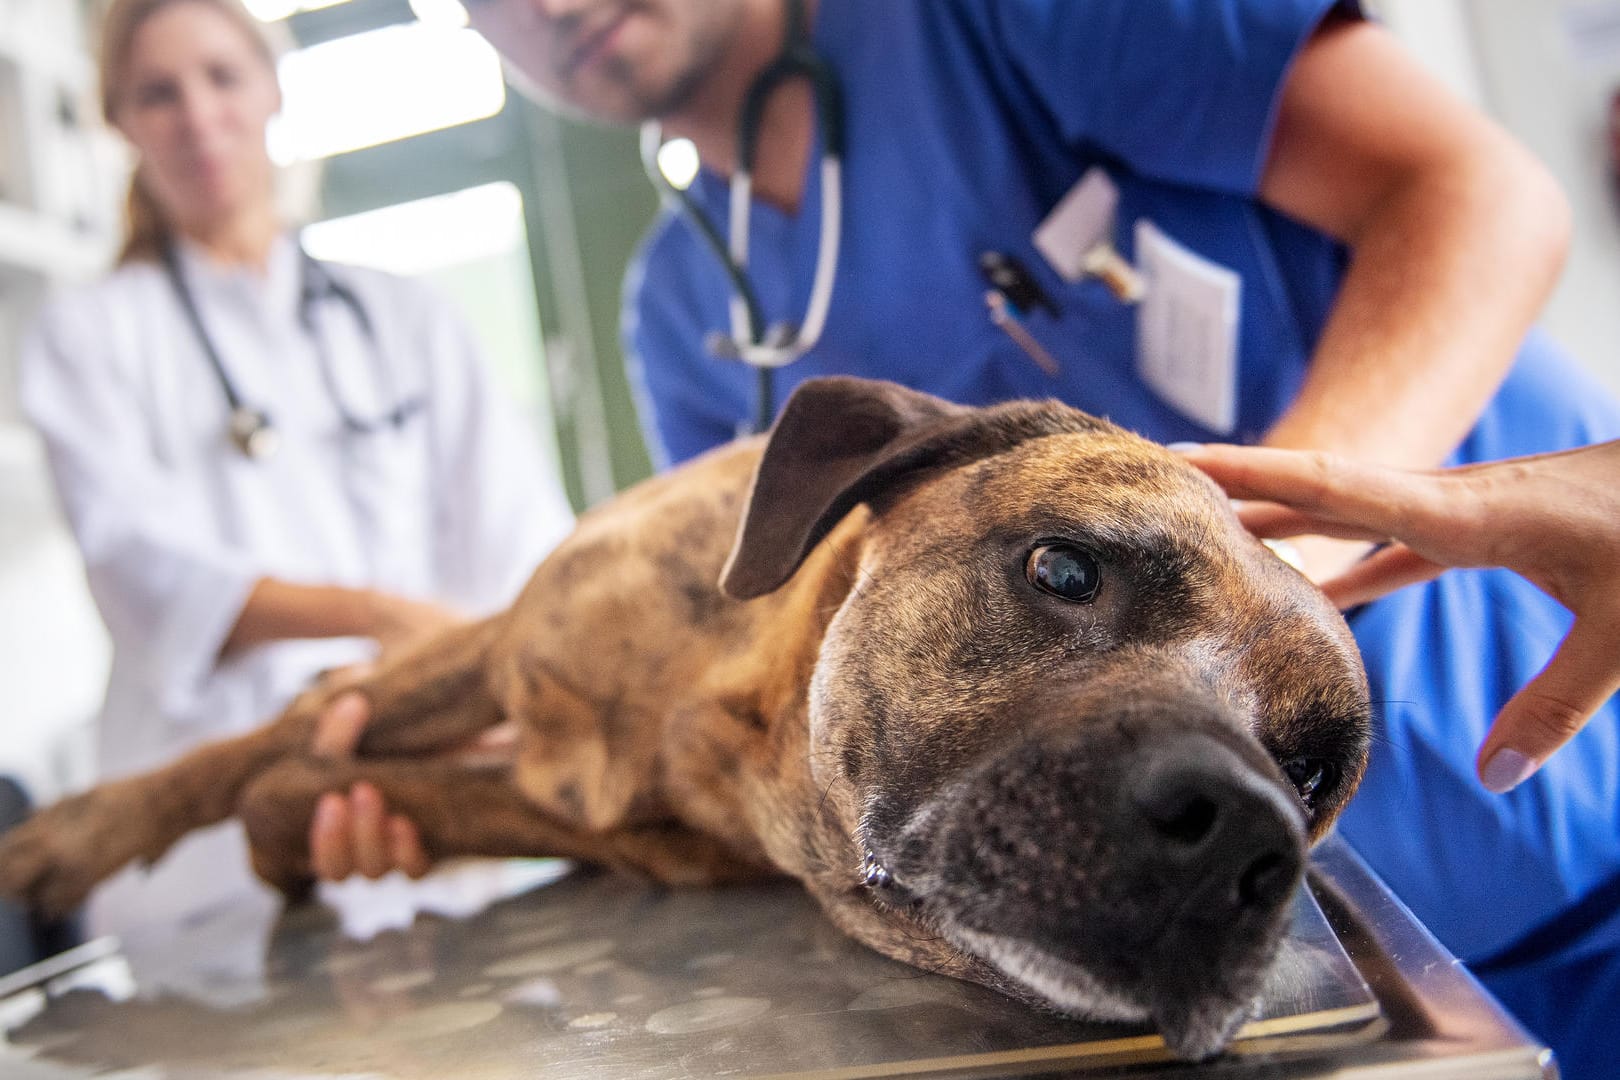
[1013,291]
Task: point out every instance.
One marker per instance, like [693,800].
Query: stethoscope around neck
[767,348]
[251,429]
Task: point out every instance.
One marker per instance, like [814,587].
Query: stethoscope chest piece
[254,434]
[251,430]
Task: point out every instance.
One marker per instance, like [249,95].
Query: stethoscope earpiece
[254,434]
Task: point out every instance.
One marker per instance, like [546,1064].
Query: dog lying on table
[1009,690]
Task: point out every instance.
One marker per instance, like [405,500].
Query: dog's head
[1082,724]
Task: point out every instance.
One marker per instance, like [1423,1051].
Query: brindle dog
[1009,690]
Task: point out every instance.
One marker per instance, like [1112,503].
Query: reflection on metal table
[590,975]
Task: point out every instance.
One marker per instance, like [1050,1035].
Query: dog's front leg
[51,861]
[431,697]
[463,810]
[435,696]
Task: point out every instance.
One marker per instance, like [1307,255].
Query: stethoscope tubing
[751,341]
[188,305]
[681,202]
[252,429]
[750,344]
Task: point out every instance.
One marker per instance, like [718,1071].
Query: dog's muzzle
[1138,867]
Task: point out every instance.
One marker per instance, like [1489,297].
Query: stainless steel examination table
[587,975]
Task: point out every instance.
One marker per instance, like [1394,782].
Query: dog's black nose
[1209,828]
[1142,849]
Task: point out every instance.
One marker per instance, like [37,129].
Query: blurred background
[405,150]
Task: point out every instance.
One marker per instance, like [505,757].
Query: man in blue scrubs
[1338,256]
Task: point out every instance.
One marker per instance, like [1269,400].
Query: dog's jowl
[1009,690]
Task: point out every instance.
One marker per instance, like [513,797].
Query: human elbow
[1534,212]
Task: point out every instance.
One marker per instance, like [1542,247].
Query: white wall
[59,200]
[54,653]
[1545,69]
[1437,31]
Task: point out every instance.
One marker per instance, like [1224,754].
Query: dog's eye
[1064,571]
[1308,775]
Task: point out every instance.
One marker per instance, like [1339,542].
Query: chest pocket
[1187,329]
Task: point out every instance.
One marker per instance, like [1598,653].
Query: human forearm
[1445,278]
[276,610]
[1456,235]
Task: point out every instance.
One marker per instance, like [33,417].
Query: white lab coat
[175,524]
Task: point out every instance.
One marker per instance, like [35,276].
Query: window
[383,85]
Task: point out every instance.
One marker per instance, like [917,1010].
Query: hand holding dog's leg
[455,810]
[421,702]
[1554,518]
[352,832]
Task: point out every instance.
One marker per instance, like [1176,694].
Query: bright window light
[428,234]
[272,10]
[380,86]
[678,161]
[440,12]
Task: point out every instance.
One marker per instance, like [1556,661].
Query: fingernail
[1287,552]
[1506,770]
[1184,447]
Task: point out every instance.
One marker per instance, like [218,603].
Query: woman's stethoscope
[750,341]
[251,429]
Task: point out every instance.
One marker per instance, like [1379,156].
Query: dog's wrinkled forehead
[842,441]
[938,476]
[1142,513]
[1121,489]
[1162,534]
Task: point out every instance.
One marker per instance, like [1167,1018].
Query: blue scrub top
[967,121]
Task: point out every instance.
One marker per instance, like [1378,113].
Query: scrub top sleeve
[168,596]
[501,504]
[1182,91]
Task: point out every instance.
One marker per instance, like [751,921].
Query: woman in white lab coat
[402,491]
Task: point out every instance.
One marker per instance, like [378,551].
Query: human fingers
[1379,574]
[1273,521]
[336,678]
[331,854]
[369,831]
[1538,720]
[405,848]
[340,724]
[1377,500]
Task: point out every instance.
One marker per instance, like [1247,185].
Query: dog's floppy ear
[833,434]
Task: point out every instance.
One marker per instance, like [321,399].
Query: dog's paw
[51,861]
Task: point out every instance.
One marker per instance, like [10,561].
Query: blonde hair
[146,229]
